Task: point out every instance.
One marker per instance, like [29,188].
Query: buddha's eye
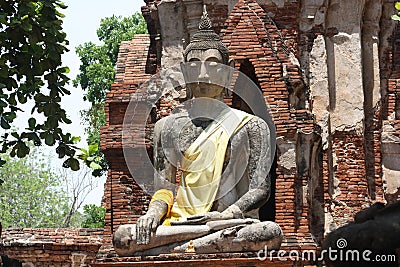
[193,64]
[213,64]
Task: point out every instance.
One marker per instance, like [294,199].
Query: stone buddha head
[207,68]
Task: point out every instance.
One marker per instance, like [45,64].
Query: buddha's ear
[231,65]
[189,94]
[184,71]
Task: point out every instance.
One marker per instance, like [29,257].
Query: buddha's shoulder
[172,121]
[255,125]
[253,118]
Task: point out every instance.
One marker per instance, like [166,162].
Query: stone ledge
[275,262]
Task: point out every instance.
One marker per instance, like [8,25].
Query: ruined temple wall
[390,137]
[46,247]
[124,200]
[345,50]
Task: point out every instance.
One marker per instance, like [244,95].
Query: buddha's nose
[203,72]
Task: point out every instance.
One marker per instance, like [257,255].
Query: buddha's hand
[232,212]
[145,226]
[205,217]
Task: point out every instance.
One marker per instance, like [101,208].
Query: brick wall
[124,199]
[52,247]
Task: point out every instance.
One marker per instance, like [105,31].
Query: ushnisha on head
[206,38]
[207,69]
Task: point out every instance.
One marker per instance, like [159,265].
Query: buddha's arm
[164,156]
[164,179]
[258,165]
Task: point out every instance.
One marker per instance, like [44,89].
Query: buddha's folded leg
[124,239]
[239,238]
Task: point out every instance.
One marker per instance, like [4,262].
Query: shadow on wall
[8,262]
[372,238]
[268,211]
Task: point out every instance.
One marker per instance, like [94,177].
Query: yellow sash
[202,166]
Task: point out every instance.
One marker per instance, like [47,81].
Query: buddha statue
[224,157]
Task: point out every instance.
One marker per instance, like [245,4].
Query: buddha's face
[207,74]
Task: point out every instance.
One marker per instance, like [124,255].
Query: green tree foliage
[97,72]
[397,17]
[94,216]
[31,195]
[31,44]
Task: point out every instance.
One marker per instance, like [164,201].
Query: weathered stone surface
[390,162]
[248,238]
[287,153]
[319,78]
[172,30]
[312,14]
[218,236]
[125,237]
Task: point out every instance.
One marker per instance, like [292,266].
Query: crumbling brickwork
[52,247]
[124,199]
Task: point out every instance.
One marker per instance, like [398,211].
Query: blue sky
[82,18]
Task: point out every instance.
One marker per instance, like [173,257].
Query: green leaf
[49,139]
[64,70]
[3,104]
[22,149]
[95,166]
[32,123]
[4,124]
[84,151]
[26,26]
[397,5]
[93,148]
[75,139]
[74,164]
[35,138]
[21,98]
[9,116]
[11,99]
[4,72]
[395,17]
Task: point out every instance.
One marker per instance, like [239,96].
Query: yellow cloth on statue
[164,195]
[202,166]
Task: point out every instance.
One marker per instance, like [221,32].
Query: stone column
[372,87]
[194,10]
[170,14]
[344,58]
